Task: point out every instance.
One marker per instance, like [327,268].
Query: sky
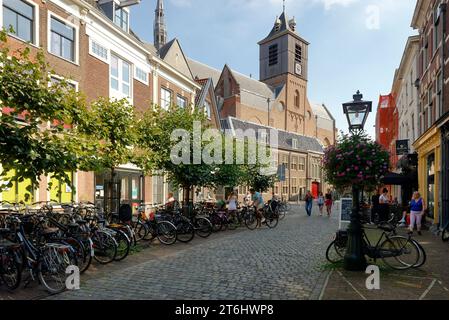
[354,44]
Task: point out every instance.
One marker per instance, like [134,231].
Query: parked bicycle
[396,251]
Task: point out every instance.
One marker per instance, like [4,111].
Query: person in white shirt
[384,206]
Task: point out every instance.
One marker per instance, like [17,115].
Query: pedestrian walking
[384,206]
[329,202]
[417,209]
[309,203]
[374,207]
[321,203]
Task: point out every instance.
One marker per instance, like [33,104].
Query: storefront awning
[395,179]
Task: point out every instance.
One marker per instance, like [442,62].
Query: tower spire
[160,30]
[283,6]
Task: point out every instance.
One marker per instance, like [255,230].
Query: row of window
[20,19]
[59,191]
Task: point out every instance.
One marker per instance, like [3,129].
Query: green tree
[110,125]
[37,120]
[155,146]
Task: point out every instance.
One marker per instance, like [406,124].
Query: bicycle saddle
[386,227]
[48,231]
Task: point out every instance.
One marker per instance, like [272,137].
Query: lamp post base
[355,257]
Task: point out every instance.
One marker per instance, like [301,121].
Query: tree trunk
[186,201]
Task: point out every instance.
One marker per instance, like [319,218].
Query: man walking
[309,203]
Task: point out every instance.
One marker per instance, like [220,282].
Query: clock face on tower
[298,69]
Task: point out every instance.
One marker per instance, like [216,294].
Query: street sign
[345,211]
[402,147]
[281,172]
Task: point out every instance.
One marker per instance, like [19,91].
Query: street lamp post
[356,113]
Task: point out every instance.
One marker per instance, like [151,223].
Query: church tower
[283,52]
[284,65]
[160,31]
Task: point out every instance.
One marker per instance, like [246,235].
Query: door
[315,188]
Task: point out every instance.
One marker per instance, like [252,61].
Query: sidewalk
[431,282]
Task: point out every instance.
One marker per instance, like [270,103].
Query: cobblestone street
[284,263]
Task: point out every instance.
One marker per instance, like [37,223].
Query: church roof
[321,111]
[253,92]
[165,48]
[282,26]
[285,139]
[203,71]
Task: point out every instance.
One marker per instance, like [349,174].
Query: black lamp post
[356,112]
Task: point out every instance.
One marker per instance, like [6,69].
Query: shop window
[18,191]
[61,192]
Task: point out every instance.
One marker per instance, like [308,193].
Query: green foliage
[39,143]
[110,126]
[355,160]
[154,145]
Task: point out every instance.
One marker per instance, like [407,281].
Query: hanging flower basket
[356,160]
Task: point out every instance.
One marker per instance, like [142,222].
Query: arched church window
[297,99]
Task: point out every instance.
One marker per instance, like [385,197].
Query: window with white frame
[181,102]
[165,98]
[20,16]
[141,75]
[302,164]
[295,143]
[120,78]
[98,50]
[121,19]
[62,41]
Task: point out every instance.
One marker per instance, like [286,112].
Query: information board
[345,211]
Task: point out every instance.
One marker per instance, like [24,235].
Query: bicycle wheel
[399,253]
[140,230]
[166,232]
[445,235]
[281,213]
[10,269]
[123,245]
[217,223]
[423,256]
[55,259]
[335,253]
[272,220]
[251,221]
[203,227]
[105,247]
[185,231]
[82,256]
[88,254]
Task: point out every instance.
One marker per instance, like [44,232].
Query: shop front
[428,148]
[126,188]
[445,174]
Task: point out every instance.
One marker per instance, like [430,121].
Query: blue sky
[354,44]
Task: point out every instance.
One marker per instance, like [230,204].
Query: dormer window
[121,18]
